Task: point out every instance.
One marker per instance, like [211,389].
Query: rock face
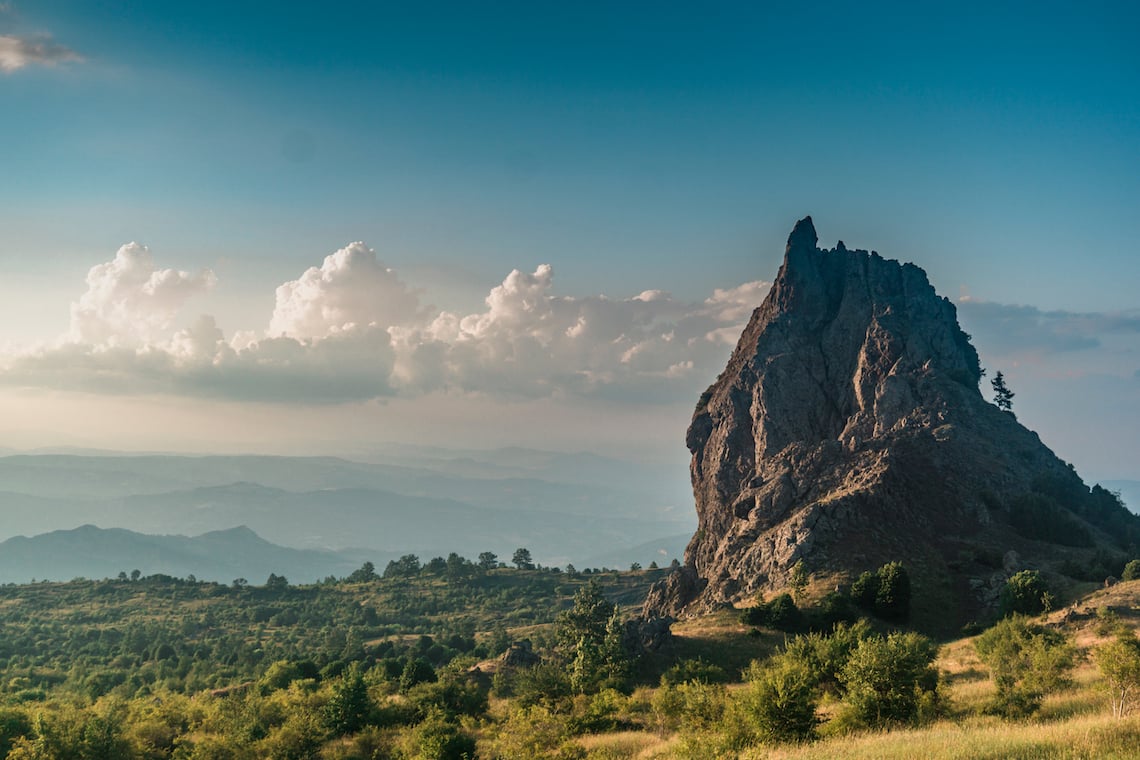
[848,430]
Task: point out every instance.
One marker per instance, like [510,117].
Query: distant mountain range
[427,501]
[221,556]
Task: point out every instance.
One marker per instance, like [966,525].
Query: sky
[315,228]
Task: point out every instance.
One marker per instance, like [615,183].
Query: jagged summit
[848,430]
[803,235]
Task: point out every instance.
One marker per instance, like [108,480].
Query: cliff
[848,430]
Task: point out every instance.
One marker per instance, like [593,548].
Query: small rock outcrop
[848,430]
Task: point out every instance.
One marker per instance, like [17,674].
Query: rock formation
[848,430]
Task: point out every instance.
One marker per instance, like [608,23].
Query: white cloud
[19,52]
[351,330]
[130,302]
[350,289]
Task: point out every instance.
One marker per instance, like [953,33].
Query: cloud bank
[20,52]
[351,330]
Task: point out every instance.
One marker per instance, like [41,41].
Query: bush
[693,670]
[888,679]
[781,701]
[1119,663]
[884,593]
[1026,662]
[824,656]
[781,614]
[1131,571]
[1025,593]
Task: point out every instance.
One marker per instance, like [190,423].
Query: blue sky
[642,147]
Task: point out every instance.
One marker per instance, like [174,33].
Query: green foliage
[1026,662]
[349,707]
[1131,571]
[888,679]
[693,670]
[892,600]
[825,656]
[1003,396]
[781,700]
[590,636]
[521,559]
[798,579]
[780,613]
[1025,593]
[439,738]
[365,574]
[884,593]
[1119,663]
[13,725]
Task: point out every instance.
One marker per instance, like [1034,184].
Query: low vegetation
[413,662]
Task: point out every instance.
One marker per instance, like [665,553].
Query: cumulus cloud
[20,52]
[530,342]
[129,301]
[351,288]
[351,330]
[1009,329]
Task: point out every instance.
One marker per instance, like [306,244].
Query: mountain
[1129,491]
[328,503]
[221,556]
[848,430]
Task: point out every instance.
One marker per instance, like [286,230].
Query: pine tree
[1003,396]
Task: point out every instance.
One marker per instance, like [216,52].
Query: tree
[1025,593]
[634,567]
[892,601]
[1119,663]
[365,574]
[1026,662]
[885,592]
[1003,396]
[798,579]
[521,559]
[488,560]
[136,574]
[404,567]
[276,582]
[349,707]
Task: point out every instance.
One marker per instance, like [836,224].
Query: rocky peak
[848,430]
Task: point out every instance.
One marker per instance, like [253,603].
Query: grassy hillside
[164,668]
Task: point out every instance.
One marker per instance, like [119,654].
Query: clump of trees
[884,593]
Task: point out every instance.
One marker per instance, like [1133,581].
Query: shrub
[887,679]
[781,700]
[780,613]
[1119,662]
[1131,571]
[885,593]
[1025,593]
[1026,662]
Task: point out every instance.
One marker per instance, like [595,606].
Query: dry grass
[1091,736]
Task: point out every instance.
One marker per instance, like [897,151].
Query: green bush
[888,679]
[1131,571]
[781,700]
[1026,662]
[884,593]
[780,613]
[1025,593]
